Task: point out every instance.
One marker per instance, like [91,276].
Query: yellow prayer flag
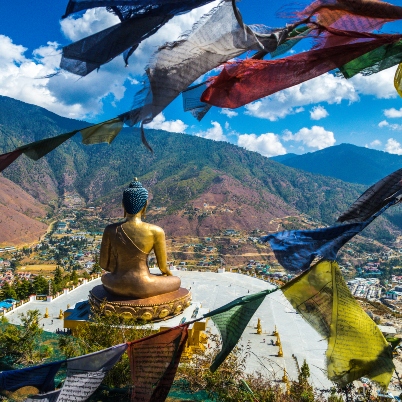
[102,132]
[356,346]
[398,80]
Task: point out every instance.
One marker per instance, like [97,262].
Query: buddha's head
[135,198]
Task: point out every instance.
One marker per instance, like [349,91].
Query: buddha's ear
[144,209]
[124,209]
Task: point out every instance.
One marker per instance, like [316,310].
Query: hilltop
[346,162]
[197,186]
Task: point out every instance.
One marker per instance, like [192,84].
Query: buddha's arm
[106,257]
[160,251]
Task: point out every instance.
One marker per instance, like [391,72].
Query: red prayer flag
[244,81]
[349,15]
[9,158]
[154,361]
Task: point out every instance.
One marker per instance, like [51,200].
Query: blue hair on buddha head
[134,197]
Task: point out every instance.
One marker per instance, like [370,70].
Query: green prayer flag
[231,320]
[38,149]
[375,61]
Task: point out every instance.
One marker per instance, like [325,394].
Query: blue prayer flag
[41,377]
[297,249]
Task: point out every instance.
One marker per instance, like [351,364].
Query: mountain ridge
[197,186]
[359,164]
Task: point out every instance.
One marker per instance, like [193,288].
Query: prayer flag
[352,15]
[154,361]
[398,80]
[134,6]
[216,38]
[375,61]
[292,40]
[139,20]
[297,249]
[8,158]
[85,373]
[48,397]
[91,52]
[192,102]
[38,149]
[102,132]
[244,81]
[356,346]
[374,198]
[231,320]
[41,377]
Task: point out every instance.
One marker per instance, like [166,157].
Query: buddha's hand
[166,272]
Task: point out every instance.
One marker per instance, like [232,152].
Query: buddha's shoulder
[155,229]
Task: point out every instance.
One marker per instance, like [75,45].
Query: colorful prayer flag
[48,397]
[41,377]
[38,149]
[297,249]
[398,80]
[216,38]
[85,373]
[356,346]
[90,53]
[375,61]
[231,320]
[192,103]
[374,198]
[244,81]
[139,20]
[154,361]
[102,132]
[8,158]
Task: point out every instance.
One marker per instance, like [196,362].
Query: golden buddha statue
[125,248]
[129,288]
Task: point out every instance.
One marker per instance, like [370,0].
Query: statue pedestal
[155,308]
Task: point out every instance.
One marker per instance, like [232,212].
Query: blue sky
[325,111]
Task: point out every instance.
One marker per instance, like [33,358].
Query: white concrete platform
[53,323]
[212,290]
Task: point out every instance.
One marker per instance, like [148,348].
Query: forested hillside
[197,186]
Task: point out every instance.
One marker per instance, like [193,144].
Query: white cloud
[314,137]
[374,144]
[393,147]
[392,113]
[160,123]
[380,85]
[318,112]
[65,94]
[229,113]
[394,127]
[70,95]
[214,133]
[325,88]
[93,20]
[266,144]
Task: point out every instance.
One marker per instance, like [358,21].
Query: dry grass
[37,268]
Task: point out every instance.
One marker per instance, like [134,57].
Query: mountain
[281,158]
[346,162]
[19,213]
[197,186]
